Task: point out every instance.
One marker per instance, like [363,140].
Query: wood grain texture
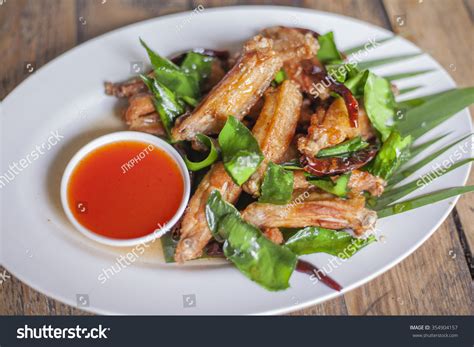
[433,280]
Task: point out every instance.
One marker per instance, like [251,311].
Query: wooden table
[436,279]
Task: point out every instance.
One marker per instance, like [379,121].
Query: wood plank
[98,17]
[37,32]
[432,281]
[426,25]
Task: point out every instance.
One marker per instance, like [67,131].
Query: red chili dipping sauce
[125,189]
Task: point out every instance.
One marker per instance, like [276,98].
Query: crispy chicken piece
[331,213]
[236,93]
[333,129]
[125,89]
[275,128]
[139,105]
[195,232]
[360,181]
[274,235]
[150,123]
[292,44]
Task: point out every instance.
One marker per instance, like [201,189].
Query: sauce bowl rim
[120,136]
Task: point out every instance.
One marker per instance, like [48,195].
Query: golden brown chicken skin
[333,129]
[331,213]
[275,128]
[236,93]
[195,232]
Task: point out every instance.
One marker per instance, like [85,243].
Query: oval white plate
[41,248]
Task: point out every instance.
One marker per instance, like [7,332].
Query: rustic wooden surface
[437,279]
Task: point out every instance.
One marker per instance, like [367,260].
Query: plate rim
[289,308]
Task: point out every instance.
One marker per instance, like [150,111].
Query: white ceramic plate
[42,248]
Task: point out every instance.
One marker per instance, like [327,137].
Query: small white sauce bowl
[118,137]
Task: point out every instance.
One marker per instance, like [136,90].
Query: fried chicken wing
[236,93]
[150,123]
[275,128]
[331,213]
[333,129]
[195,232]
[292,43]
[360,181]
[125,89]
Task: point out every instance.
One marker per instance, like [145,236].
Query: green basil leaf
[379,103]
[166,103]
[328,52]
[344,148]
[241,153]
[434,111]
[198,66]
[356,83]
[157,61]
[258,258]
[268,264]
[391,155]
[423,200]
[178,80]
[216,209]
[342,72]
[209,160]
[319,240]
[338,188]
[277,185]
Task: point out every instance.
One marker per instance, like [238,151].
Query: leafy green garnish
[342,72]
[209,160]
[379,103]
[240,151]
[338,187]
[184,81]
[328,52]
[277,185]
[434,111]
[292,165]
[166,103]
[403,75]
[408,90]
[258,258]
[423,200]
[357,82]
[399,192]
[216,209]
[197,66]
[279,77]
[316,240]
[391,155]
[344,148]
[365,45]
[400,175]
[377,62]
